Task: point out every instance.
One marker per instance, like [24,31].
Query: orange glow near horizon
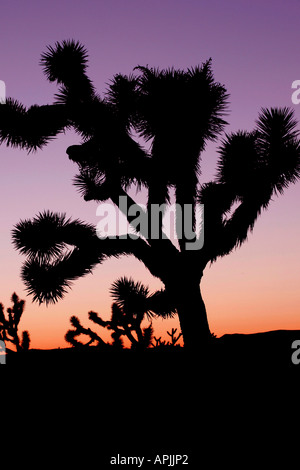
[253,289]
[261,293]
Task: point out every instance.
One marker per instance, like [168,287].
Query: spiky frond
[133,297]
[48,234]
[60,250]
[115,157]
[66,64]
[129,295]
[162,304]
[217,199]
[239,161]
[185,105]
[91,185]
[51,265]
[65,61]
[268,157]
[252,168]
[279,146]
[31,128]
[180,111]
[276,126]
[49,282]
[122,94]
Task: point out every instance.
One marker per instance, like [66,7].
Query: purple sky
[254,48]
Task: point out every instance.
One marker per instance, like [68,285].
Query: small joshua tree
[132,304]
[9,326]
[120,323]
[70,336]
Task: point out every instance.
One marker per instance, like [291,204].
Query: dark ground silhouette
[231,412]
[236,353]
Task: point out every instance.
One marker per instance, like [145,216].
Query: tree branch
[33,128]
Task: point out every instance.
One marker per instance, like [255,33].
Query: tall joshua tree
[177,112]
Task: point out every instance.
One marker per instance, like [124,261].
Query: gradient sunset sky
[254,46]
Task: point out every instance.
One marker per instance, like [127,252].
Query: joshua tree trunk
[192,316]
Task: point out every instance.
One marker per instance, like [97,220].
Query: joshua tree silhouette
[9,326]
[132,304]
[177,112]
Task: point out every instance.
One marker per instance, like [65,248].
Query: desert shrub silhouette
[9,325]
[133,303]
